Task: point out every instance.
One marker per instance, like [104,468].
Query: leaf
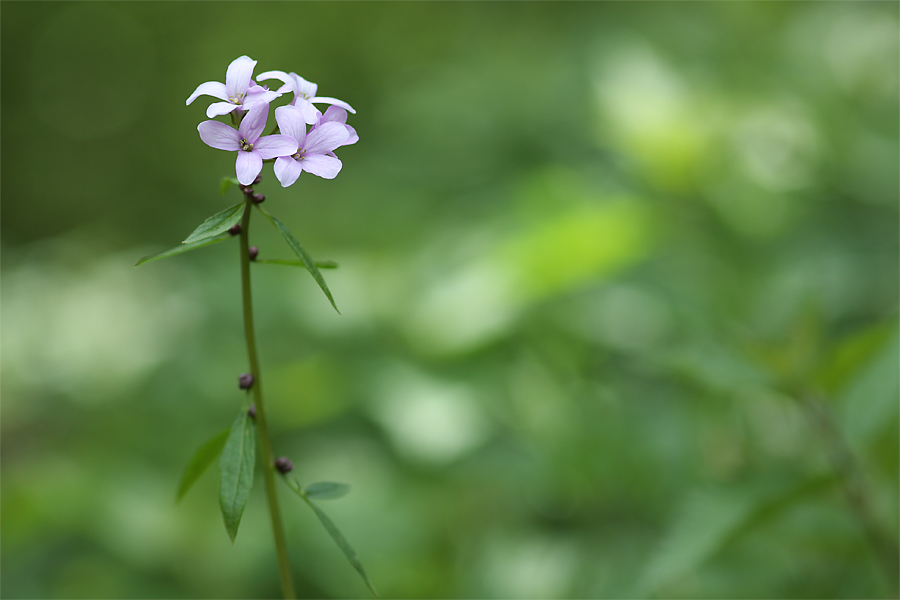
[321,264]
[332,530]
[308,262]
[218,223]
[326,490]
[183,248]
[238,459]
[226,183]
[203,457]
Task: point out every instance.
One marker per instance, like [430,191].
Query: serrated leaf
[326,490]
[220,222]
[333,531]
[183,248]
[308,262]
[238,460]
[321,264]
[226,183]
[203,457]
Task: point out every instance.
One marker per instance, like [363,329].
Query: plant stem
[284,567]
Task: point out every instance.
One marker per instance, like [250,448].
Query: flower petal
[238,75]
[334,113]
[247,166]
[265,96]
[219,135]
[210,88]
[310,113]
[333,101]
[326,137]
[287,170]
[303,87]
[290,122]
[254,122]
[273,146]
[220,108]
[324,166]
[353,136]
[281,76]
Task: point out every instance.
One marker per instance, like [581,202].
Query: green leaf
[326,490]
[218,223]
[321,264]
[308,262]
[238,459]
[226,183]
[203,457]
[183,248]
[332,530]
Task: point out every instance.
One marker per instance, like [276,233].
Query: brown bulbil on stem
[283,465]
[253,252]
[245,381]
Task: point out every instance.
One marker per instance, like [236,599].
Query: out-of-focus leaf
[226,183]
[869,403]
[220,222]
[203,457]
[238,460]
[183,248]
[321,264]
[852,353]
[332,530]
[308,262]
[326,490]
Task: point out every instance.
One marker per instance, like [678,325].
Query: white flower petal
[273,146]
[326,167]
[238,75]
[247,166]
[217,109]
[287,170]
[210,88]
[219,135]
[326,137]
[333,101]
[290,122]
[254,122]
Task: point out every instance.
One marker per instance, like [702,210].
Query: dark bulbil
[253,252]
[235,229]
[283,465]
[245,381]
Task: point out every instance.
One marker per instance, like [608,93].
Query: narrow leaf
[238,459]
[226,183]
[321,264]
[333,531]
[326,490]
[182,249]
[308,262]
[203,457]
[218,223]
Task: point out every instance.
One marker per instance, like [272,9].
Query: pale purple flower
[315,153]
[239,92]
[246,141]
[304,94]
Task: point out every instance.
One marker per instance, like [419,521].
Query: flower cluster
[295,148]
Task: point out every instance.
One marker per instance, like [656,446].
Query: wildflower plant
[304,139]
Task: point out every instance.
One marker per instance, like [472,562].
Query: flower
[251,148]
[315,151]
[239,91]
[304,94]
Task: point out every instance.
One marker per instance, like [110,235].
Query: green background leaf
[326,490]
[183,248]
[237,464]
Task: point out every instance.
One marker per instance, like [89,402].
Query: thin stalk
[262,427]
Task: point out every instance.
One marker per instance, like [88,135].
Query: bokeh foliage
[619,285]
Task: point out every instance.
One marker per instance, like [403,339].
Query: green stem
[284,567]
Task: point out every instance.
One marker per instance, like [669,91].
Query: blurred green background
[619,286]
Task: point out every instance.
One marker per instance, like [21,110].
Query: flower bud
[258,179]
[258,198]
[246,189]
[283,465]
[253,252]
[235,229]
[251,412]
[245,381]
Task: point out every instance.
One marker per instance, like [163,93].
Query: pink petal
[326,137]
[353,136]
[304,87]
[333,101]
[220,108]
[287,170]
[247,166]
[264,96]
[324,166]
[238,75]
[210,88]
[334,113]
[273,146]
[219,135]
[290,122]
[310,113]
[254,122]
[281,76]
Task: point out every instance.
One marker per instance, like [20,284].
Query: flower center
[238,99]
[299,154]
[246,146]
